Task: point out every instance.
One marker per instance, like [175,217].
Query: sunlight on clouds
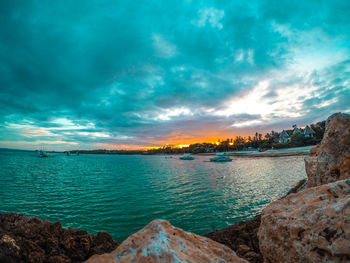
[246,123]
[287,102]
[175,112]
[310,50]
[94,134]
[251,103]
[29,131]
[64,124]
[327,103]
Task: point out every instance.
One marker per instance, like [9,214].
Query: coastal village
[295,137]
[289,138]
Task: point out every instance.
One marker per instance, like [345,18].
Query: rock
[29,239]
[9,250]
[58,259]
[312,225]
[301,185]
[325,163]
[77,244]
[242,238]
[159,241]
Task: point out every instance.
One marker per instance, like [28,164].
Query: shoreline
[262,154]
[294,151]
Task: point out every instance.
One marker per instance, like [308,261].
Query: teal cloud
[139,71]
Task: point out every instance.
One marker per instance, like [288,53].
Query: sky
[133,74]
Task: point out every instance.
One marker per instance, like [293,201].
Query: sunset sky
[130,74]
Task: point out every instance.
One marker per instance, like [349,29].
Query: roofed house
[308,132]
[284,137]
[297,131]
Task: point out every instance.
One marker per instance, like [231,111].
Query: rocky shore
[310,224]
[30,239]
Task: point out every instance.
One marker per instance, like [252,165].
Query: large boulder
[159,241]
[330,161]
[312,225]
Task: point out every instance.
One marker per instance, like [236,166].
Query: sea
[120,194]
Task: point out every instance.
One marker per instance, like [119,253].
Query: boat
[43,154]
[221,159]
[187,156]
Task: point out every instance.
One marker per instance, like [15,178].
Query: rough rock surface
[312,225]
[242,238]
[301,185]
[159,241]
[29,239]
[330,161]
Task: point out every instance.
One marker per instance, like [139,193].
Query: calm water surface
[121,194]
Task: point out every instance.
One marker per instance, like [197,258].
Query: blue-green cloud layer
[98,73]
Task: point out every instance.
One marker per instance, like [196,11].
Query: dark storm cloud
[132,73]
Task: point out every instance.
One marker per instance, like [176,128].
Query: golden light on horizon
[152,147]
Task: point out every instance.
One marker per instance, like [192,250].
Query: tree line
[256,142]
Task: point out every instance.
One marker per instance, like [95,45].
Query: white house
[308,132]
[296,130]
[284,137]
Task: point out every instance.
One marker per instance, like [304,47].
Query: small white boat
[187,156]
[43,154]
[221,159]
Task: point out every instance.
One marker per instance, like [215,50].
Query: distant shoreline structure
[296,151]
[292,138]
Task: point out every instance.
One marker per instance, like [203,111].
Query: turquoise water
[121,194]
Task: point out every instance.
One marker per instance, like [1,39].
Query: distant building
[308,132]
[296,130]
[284,137]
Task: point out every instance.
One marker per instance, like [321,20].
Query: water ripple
[120,194]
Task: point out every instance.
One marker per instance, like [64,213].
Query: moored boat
[187,156]
[221,159]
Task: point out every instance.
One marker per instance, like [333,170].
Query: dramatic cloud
[121,74]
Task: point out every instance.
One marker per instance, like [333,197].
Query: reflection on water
[121,194]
